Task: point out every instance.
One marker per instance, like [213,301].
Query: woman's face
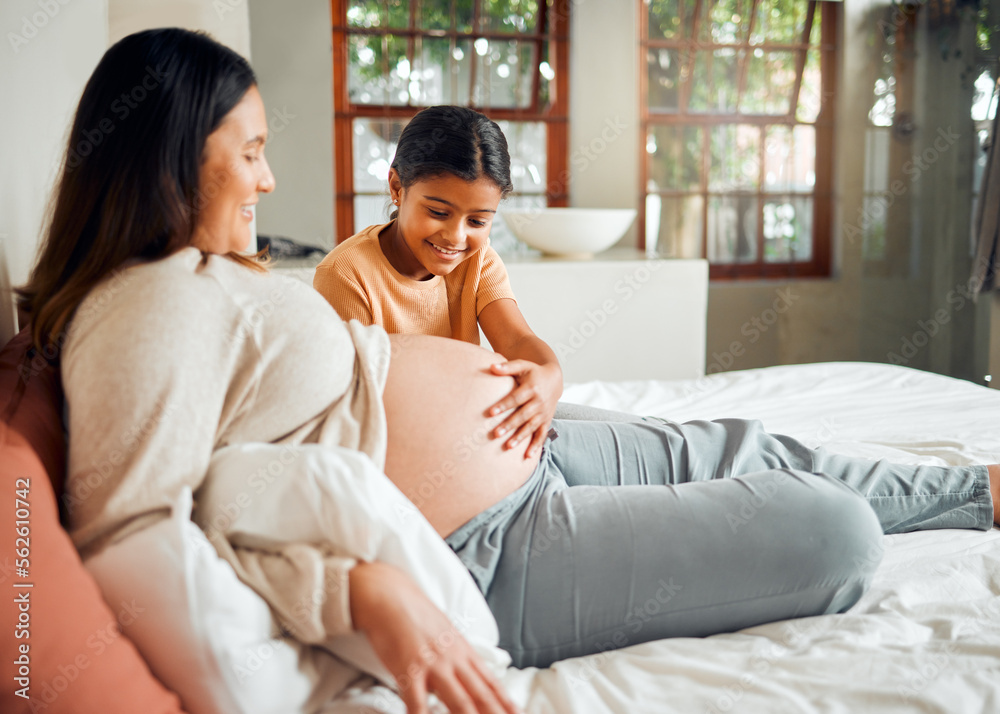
[442,221]
[233,172]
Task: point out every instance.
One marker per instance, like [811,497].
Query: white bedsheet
[925,638]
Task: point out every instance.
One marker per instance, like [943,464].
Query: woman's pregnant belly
[440,453]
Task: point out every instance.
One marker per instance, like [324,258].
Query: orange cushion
[73,657]
[31,403]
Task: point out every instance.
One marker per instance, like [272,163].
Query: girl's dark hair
[129,184]
[452,140]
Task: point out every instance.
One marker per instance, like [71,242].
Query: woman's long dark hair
[452,140]
[129,182]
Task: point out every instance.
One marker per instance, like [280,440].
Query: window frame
[822,221]
[555,114]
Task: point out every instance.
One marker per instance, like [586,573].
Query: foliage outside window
[738,133]
[506,58]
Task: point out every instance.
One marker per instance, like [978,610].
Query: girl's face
[442,221]
[233,172]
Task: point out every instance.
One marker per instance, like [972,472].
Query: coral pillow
[73,657]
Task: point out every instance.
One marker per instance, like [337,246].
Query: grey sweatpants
[629,532]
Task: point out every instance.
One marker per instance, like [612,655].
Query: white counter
[619,315]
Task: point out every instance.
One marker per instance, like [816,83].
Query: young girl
[430,270]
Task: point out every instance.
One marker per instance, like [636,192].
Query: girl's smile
[442,221]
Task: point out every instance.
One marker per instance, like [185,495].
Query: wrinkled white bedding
[926,637]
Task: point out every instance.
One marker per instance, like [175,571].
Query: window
[737,111]
[506,58]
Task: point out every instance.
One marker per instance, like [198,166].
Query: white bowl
[573,232]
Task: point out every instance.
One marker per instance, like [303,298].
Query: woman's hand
[420,646]
[533,401]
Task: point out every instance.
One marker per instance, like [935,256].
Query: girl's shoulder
[358,252]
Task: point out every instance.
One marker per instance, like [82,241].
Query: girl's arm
[535,367]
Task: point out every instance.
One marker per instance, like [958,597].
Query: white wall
[293,58]
[226,20]
[604,106]
[44,63]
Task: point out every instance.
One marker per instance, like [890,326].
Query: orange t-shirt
[361,284]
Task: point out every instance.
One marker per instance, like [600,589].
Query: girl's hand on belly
[533,401]
[420,646]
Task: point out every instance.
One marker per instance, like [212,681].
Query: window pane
[810,91]
[670,19]
[366,13]
[371,210]
[374,147]
[674,158]
[788,229]
[503,73]
[780,21]
[509,15]
[883,106]
[399,13]
[454,61]
[673,225]
[873,229]
[877,152]
[548,74]
[983,105]
[715,81]
[372,13]
[436,14]
[735,158]
[816,33]
[790,158]
[727,22]
[379,71]
[441,72]
[526,144]
[664,67]
[770,82]
[883,102]
[732,229]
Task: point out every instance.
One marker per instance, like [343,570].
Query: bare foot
[995,491]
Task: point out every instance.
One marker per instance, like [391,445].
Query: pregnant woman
[174,345]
